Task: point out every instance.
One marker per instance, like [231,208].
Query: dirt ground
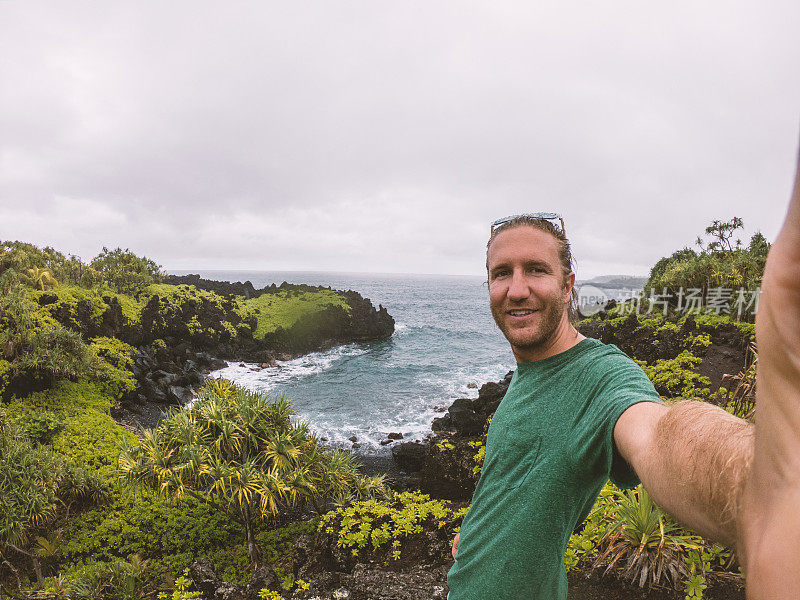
[583,587]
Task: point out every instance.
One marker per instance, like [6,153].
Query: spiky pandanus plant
[40,279]
[240,452]
[644,543]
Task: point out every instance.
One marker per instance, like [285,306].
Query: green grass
[284,309]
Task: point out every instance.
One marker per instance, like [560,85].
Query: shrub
[168,534]
[676,377]
[87,436]
[372,523]
[35,344]
[644,543]
[113,363]
[30,479]
[719,263]
[126,272]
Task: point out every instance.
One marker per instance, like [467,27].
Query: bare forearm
[702,457]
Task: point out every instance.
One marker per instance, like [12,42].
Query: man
[578,412]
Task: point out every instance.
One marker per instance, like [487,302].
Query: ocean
[444,340]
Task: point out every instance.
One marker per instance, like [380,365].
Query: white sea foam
[255,378]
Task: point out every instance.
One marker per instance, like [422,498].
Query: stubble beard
[551,316]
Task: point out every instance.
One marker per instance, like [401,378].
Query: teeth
[519,313]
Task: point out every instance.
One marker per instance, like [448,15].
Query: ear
[569,283]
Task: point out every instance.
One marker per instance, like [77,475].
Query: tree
[239,452]
[722,232]
[126,272]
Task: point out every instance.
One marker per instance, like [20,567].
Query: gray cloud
[377,136]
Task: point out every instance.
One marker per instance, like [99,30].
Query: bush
[371,524]
[35,344]
[30,481]
[19,257]
[149,525]
[676,377]
[719,263]
[86,435]
[126,272]
[114,359]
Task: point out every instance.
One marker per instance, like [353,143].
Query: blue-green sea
[444,340]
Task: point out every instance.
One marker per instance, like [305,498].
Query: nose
[518,288]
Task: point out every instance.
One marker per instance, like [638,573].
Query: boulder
[409,456]
[180,395]
[448,472]
[464,419]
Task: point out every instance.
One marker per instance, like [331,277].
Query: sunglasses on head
[546,216]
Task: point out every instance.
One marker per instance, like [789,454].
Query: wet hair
[564,252]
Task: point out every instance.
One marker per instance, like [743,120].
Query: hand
[770,521]
[455,545]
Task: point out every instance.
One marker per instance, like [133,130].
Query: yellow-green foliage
[113,361]
[373,523]
[702,340]
[30,479]
[445,445]
[642,527]
[87,436]
[479,455]
[130,306]
[285,308]
[594,528]
[713,321]
[676,377]
[179,304]
[5,375]
[170,535]
[181,591]
[67,299]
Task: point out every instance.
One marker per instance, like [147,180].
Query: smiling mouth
[520,312]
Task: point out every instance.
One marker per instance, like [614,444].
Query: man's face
[527,291]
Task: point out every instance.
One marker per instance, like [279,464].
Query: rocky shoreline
[168,374]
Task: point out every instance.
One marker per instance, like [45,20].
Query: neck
[564,337]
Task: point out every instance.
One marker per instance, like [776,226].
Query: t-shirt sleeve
[625,385]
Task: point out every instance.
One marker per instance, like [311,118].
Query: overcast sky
[385,136]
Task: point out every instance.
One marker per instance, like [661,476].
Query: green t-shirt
[549,451]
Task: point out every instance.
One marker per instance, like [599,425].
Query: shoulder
[613,370]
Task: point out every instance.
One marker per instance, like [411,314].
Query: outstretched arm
[771,501]
[724,478]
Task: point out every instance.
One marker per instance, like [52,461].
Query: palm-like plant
[240,452]
[644,543]
[41,279]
